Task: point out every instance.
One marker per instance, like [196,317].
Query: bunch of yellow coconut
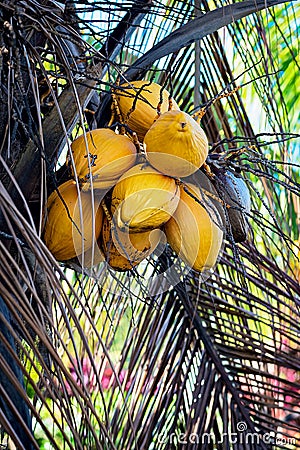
[130,189]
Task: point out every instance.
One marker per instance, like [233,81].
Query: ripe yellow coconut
[124,250]
[103,155]
[194,232]
[202,182]
[70,222]
[176,145]
[91,257]
[144,199]
[138,103]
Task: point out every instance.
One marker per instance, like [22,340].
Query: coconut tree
[158,356]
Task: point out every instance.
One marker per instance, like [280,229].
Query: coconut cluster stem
[202,111]
[106,212]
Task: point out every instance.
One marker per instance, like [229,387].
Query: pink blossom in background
[108,379]
[290,414]
[88,377]
[85,373]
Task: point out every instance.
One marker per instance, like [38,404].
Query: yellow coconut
[102,155]
[176,145]
[91,257]
[144,199]
[138,103]
[202,182]
[124,250]
[70,222]
[195,232]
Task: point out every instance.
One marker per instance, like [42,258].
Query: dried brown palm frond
[157,357]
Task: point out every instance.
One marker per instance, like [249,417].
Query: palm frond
[160,356]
